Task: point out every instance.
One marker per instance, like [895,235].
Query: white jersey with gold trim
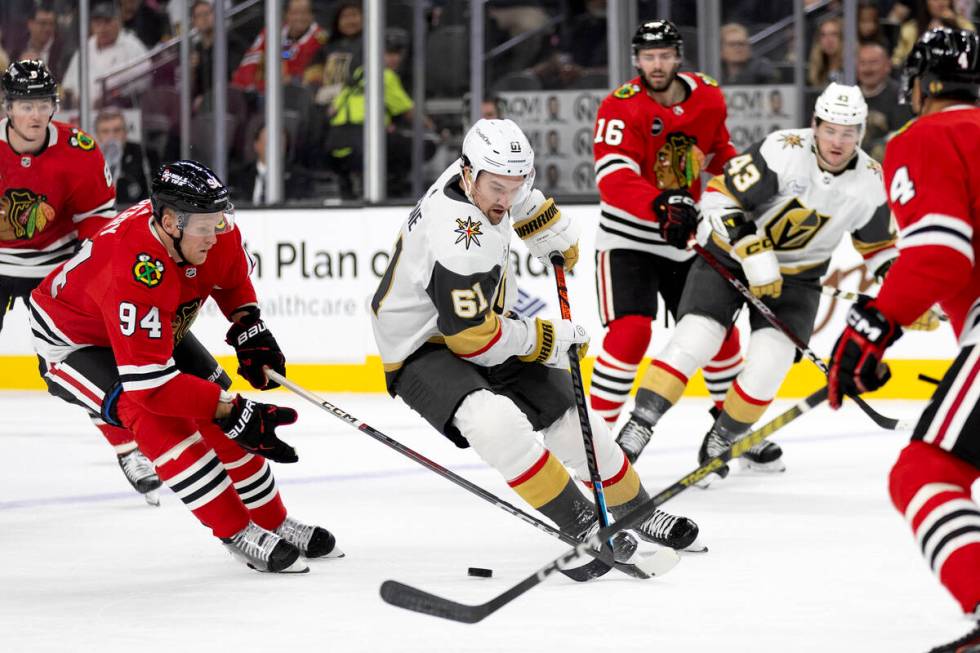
[803,209]
[447,281]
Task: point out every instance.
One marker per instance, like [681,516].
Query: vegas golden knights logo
[794,226]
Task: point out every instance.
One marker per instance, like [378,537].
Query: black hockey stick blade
[412,598]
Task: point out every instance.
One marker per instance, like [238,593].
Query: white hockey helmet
[500,147]
[842,105]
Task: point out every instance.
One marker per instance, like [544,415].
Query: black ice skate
[665,529]
[767,456]
[312,541]
[634,437]
[969,643]
[263,550]
[624,545]
[141,475]
[713,444]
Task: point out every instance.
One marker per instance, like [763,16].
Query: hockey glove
[760,265]
[552,341]
[855,365]
[546,231]
[253,428]
[256,348]
[677,214]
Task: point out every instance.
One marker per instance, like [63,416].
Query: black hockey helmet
[188,187]
[658,34]
[946,62]
[28,79]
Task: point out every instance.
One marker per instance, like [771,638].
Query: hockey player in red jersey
[653,136]
[55,190]
[104,327]
[932,184]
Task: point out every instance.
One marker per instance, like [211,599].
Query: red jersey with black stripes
[122,290]
[931,184]
[642,147]
[50,199]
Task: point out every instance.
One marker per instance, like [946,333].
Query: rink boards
[316,271]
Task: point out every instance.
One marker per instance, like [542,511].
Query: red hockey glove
[253,427]
[256,348]
[677,214]
[855,365]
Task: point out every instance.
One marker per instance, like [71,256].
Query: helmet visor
[203,225]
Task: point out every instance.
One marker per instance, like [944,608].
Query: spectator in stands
[827,54]
[302,38]
[202,59]
[42,41]
[150,25]
[490,108]
[110,48]
[124,158]
[870,27]
[334,63]
[248,180]
[587,36]
[885,114]
[345,141]
[511,18]
[928,15]
[738,66]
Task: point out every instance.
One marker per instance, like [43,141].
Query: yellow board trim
[20,373]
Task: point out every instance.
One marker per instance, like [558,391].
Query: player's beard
[665,84]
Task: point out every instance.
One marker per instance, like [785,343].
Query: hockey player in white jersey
[483,377]
[777,212]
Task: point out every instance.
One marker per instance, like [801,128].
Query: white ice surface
[815,559]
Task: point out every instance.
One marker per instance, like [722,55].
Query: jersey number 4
[902,189]
[150,322]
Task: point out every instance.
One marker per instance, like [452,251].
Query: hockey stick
[846,295]
[558,265]
[888,423]
[411,598]
[604,561]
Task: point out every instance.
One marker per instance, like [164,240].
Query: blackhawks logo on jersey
[81,140]
[148,271]
[794,226]
[469,232]
[184,318]
[23,214]
[679,161]
[626,91]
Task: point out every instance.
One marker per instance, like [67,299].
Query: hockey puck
[480,572]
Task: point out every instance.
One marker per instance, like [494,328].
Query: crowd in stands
[540,46]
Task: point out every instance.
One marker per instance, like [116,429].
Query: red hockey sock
[122,440]
[724,367]
[931,488]
[251,477]
[623,347]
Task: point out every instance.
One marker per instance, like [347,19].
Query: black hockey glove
[256,348]
[677,214]
[253,428]
[855,365]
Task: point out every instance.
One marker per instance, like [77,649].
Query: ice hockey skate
[265,551]
[678,533]
[713,444]
[767,456]
[141,475]
[634,437]
[623,543]
[312,541]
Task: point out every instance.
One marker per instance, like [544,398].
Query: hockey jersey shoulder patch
[626,91]
[468,232]
[81,140]
[148,270]
[707,79]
